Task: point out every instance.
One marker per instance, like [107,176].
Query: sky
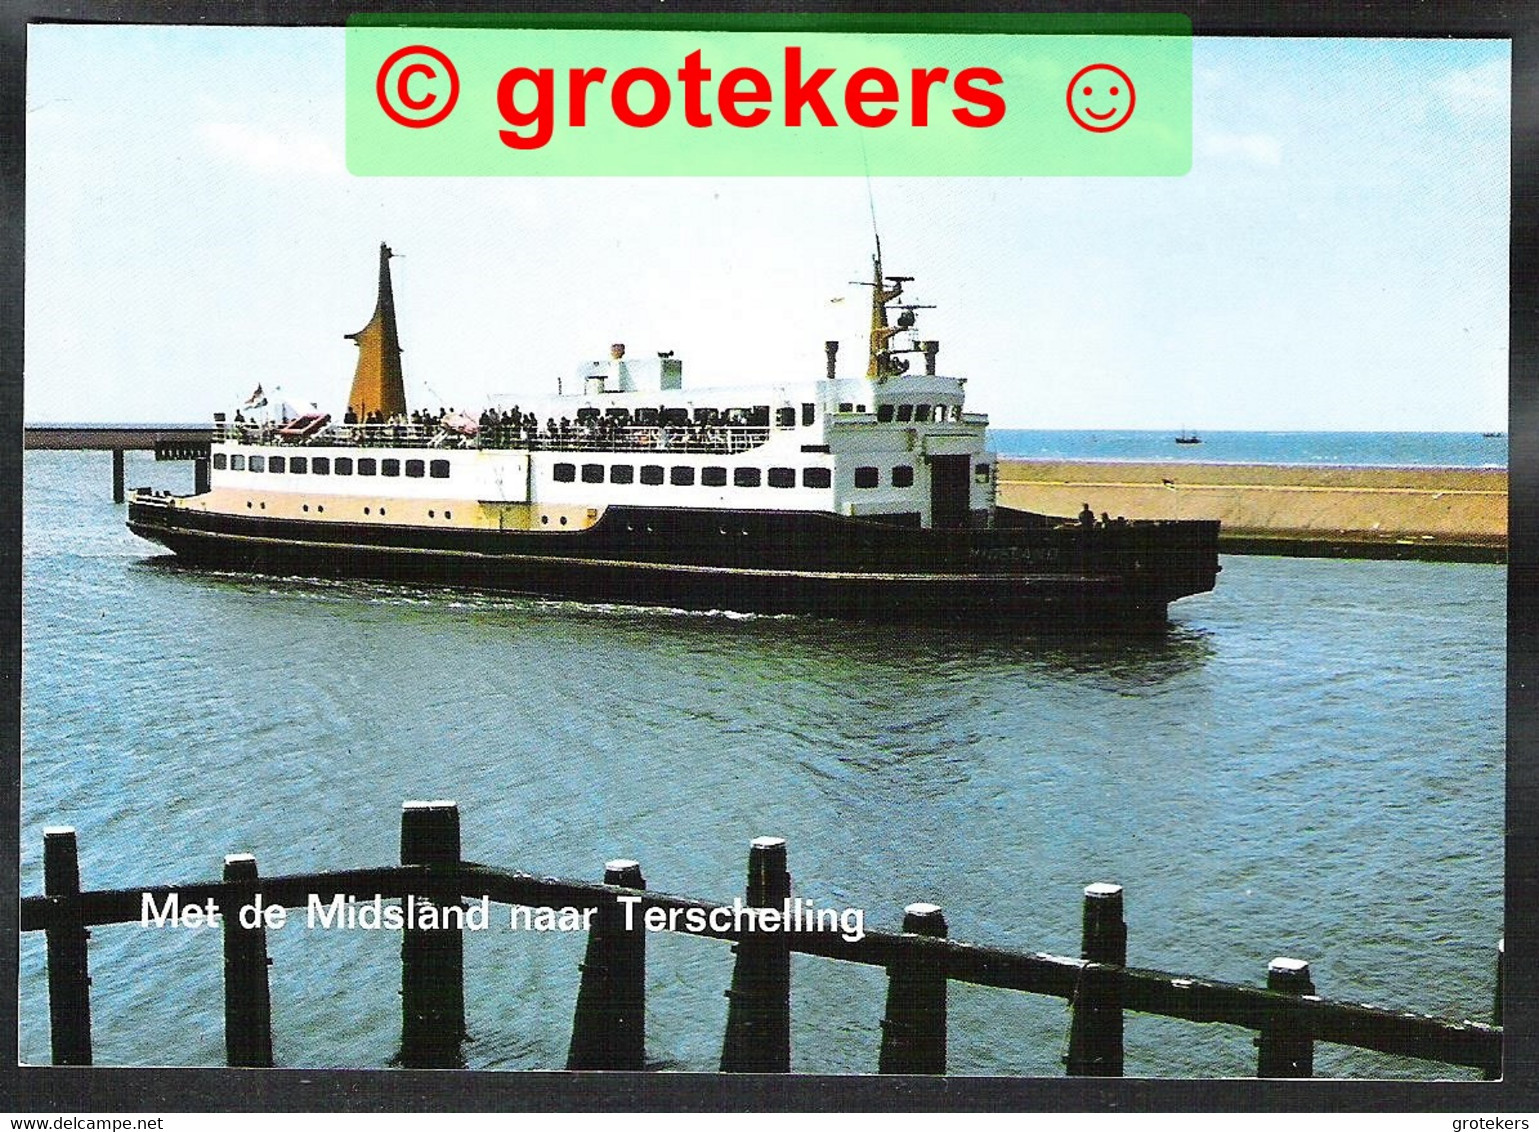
[1337,258]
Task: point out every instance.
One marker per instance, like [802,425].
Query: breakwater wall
[1432,513]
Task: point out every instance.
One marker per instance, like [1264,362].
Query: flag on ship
[257,400]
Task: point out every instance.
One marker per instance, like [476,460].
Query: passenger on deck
[1086,516]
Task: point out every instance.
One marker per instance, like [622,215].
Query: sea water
[1308,763]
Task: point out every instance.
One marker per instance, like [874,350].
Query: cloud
[1482,89]
[272,151]
[1258,149]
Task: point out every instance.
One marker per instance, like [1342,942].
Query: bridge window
[275,464]
[867,477]
[622,473]
[564,473]
[817,477]
[884,413]
[921,413]
[903,475]
[345,466]
[809,412]
[257,462]
[237,463]
[652,474]
[681,475]
[713,477]
[747,477]
[438,469]
[782,477]
[221,461]
[846,406]
[321,465]
[981,473]
[593,473]
[390,467]
[785,417]
[905,412]
[298,465]
[415,469]
[366,465]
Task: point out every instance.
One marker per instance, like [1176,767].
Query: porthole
[381,510]
[448,514]
[248,503]
[306,507]
[563,520]
[320,507]
[366,511]
[430,513]
[263,505]
[545,519]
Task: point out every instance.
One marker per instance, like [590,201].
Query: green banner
[928,96]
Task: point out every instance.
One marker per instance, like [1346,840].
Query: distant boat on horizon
[1184,437]
[1492,435]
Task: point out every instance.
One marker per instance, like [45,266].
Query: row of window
[341,465]
[919,414]
[682,475]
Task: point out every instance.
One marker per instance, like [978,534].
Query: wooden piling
[69,978]
[1496,1004]
[118,494]
[1095,1033]
[432,958]
[609,1026]
[914,1025]
[758,1036]
[248,1020]
[1285,1047]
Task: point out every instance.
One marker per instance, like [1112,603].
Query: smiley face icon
[1101,98]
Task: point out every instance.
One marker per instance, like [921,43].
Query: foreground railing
[608,1029]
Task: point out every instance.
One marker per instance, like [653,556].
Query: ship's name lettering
[527,97]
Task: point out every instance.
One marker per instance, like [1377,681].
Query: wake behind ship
[870,496]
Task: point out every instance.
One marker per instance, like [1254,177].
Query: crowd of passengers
[674,429]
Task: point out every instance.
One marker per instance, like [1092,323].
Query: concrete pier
[1445,514]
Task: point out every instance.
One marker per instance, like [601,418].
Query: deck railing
[608,1029]
[722,439]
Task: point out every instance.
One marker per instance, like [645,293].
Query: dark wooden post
[1285,1048]
[914,1027]
[1496,1005]
[117,476]
[609,1027]
[758,1037]
[1095,1033]
[432,959]
[248,1020]
[69,979]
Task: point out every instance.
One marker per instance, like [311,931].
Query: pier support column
[69,979]
[758,1037]
[432,958]
[1284,1048]
[118,494]
[914,1025]
[248,1019]
[1095,1034]
[609,1026]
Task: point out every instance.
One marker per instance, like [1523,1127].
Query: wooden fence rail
[609,1023]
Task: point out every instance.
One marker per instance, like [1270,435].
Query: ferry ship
[869,495]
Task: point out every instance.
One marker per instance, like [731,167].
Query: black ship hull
[1029,569]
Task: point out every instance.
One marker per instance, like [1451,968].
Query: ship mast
[884,363]
[377,383]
